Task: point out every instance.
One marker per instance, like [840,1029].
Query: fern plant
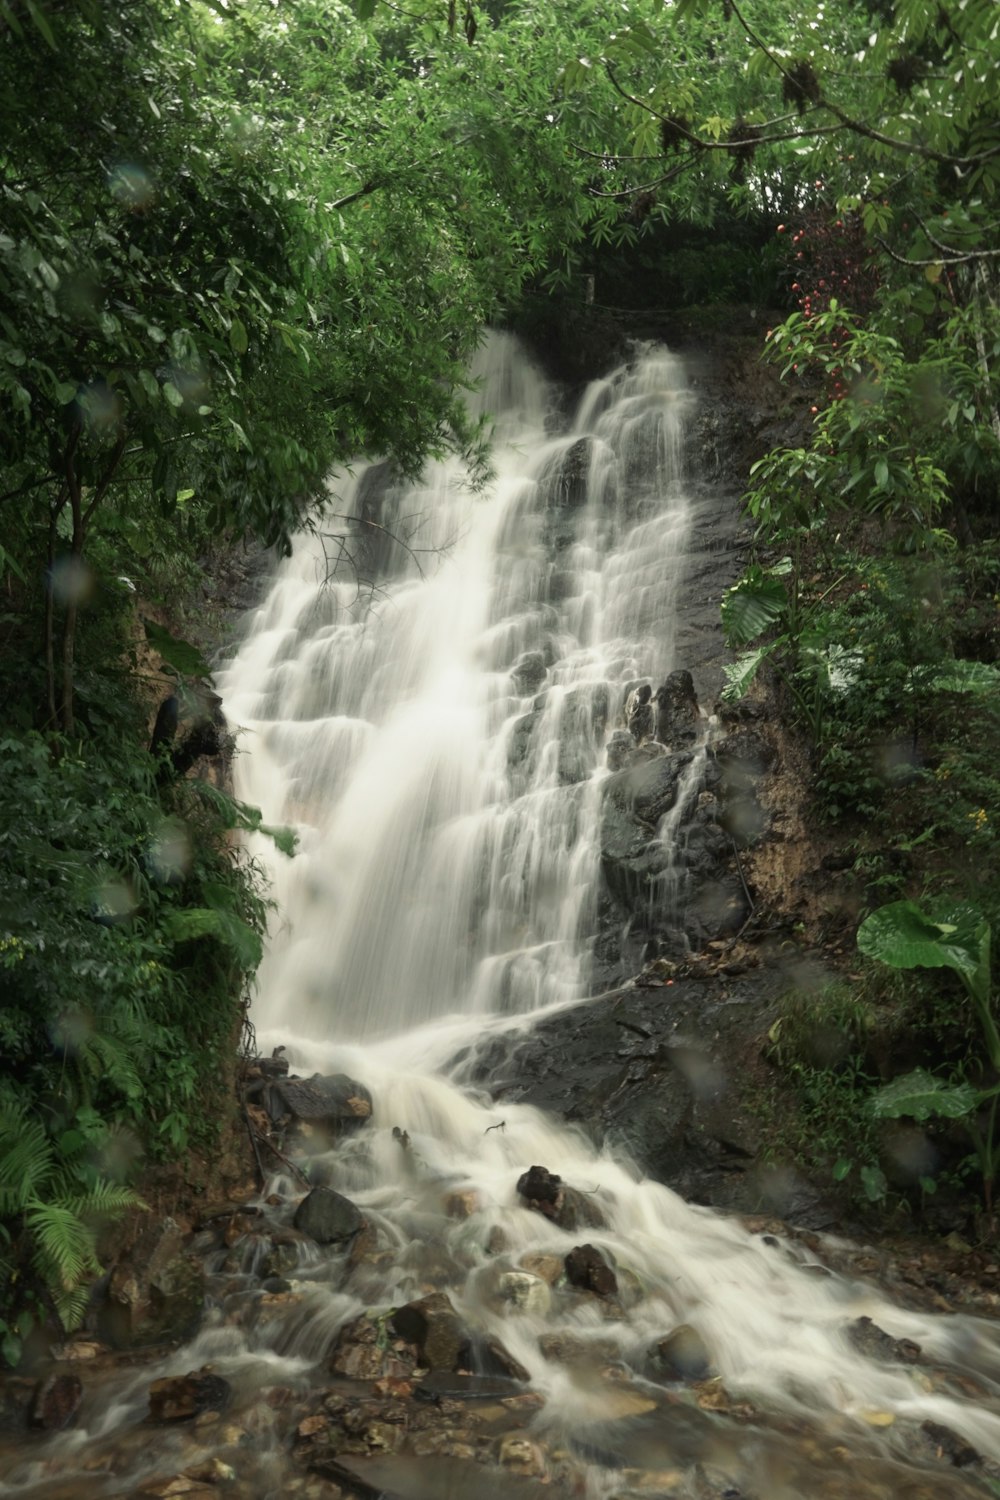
[52,1202]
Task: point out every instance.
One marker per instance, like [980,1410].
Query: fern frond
[104,1200]
[26,1159]
[64,1246]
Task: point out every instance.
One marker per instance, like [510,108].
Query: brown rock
[56,1402]
[548,1267]
[462,1205]
[156,1292]
[432,1324]
[179,1398]
[587,1269]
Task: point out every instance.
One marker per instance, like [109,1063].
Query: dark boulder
[587,1269]
[328,1217]
[335,1104]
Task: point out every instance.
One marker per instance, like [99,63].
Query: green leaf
[172,394]
[874,1182]
[842,1169]
[741,673]
[196,922]
[906,937]
[238,339]
[919,1095]
[964,677]
[751,606]
[180,655]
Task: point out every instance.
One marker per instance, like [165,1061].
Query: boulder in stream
[179,1398]
[587,1269]
[566,1206]
[328,1217]
[335,1105]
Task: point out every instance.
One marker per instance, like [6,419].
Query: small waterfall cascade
[434,726]
[430,714]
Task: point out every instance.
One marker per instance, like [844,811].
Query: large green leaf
[919,1095]
[949,937]
[741,673]
[964,677]
[752,606]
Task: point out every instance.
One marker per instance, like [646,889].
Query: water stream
[437,740]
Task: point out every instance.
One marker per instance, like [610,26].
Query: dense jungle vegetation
[243,240]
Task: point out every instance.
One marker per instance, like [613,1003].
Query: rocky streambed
[375,1321]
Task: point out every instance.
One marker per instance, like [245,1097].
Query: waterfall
[430,716]
[432,721]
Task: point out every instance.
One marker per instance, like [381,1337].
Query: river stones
[362,1352]
[445,1343]
[328,1217]
[872,1341]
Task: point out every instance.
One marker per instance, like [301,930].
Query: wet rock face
[682,1356]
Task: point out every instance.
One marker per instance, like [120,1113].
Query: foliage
[52,1188]
[126,929]
[906,936]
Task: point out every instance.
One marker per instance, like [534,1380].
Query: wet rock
[462,1205]
[362,1352]
[523,1292]
[548,1267]
[155,1293]
[678,717]
[179,1398]
[529,672]
[682,1355]
[521,1456]
[948,1445]
[564,1205]
[335,1105]
[328,1217]
[56,1402]
[872,1341]
[489,1357]
[619,750]
[432,1324]
[587,1269]
[16,1397]
[497,1241]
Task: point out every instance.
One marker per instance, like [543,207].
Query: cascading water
[439,747]
[434,741]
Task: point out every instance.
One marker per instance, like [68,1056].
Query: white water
[434,876]
[443,885]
